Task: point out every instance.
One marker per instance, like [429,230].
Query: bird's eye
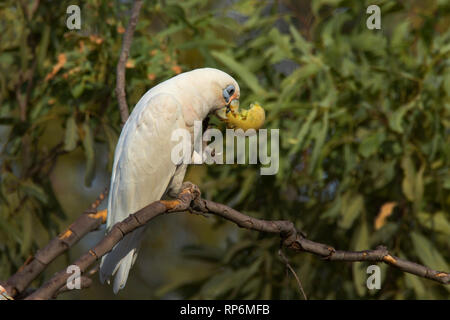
[228,92]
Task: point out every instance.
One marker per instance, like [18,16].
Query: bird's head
[226,106]
[211,91]
[230,96]
[229,91]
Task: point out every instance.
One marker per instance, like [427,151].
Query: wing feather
[142,171]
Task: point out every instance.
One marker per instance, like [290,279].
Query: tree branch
[288,267]
[34,265]
[189,199]
[126,44]
[294,240]
[85,281]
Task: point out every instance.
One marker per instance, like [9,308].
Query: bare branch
[294,240]
[33,266]
[126,44]
[85,281]
[117,232]
[189,199]
[288,266]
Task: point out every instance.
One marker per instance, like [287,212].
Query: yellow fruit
[252,118]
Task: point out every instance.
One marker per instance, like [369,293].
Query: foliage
[364,119]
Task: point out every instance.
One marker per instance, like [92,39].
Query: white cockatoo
[143,171]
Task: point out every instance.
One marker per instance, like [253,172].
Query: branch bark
[126,44]
[34,265]
[294,240]
[190,199]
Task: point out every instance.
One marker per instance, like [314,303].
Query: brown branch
[120,81]
[294,240]
[288,266]
[28,12]
[189,199]
[21,102]
[117,232]
[85,281]
[34,265]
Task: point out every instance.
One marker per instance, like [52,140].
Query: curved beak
[231,106]
[232,98]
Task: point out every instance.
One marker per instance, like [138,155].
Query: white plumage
[143,170]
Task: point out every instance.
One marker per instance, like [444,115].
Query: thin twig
[126,44]
[286,262]
[34,265]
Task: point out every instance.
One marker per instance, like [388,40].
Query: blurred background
[364,119]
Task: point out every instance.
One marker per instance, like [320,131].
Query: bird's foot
[188,193]
[188,186]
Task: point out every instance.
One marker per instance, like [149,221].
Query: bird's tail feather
[119,261]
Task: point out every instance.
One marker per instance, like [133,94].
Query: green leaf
[395,120]
[427,253]
[43,46]
[236,248]
[291,84]
[177,12]
[71,136]
[24,49]
[352,206]
[333,210]
[9,229]
[218,285]
[418,189]
[360,241]
[182,280]
[436,222]
[111,138]
[319,143]
[316,5]
[371,144]
[223,282]
[369,41]
[303,131]
[247,186]
[33,190]
[244,73]
[282,48]
[202,253]
[412,183]
[399,35]
[299,41]
[27,230]
[78,89]
[89,152]
[409,177]
[416,284]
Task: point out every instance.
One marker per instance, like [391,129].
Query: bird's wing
[142,171]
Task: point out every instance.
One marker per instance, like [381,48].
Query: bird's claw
[191,188]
